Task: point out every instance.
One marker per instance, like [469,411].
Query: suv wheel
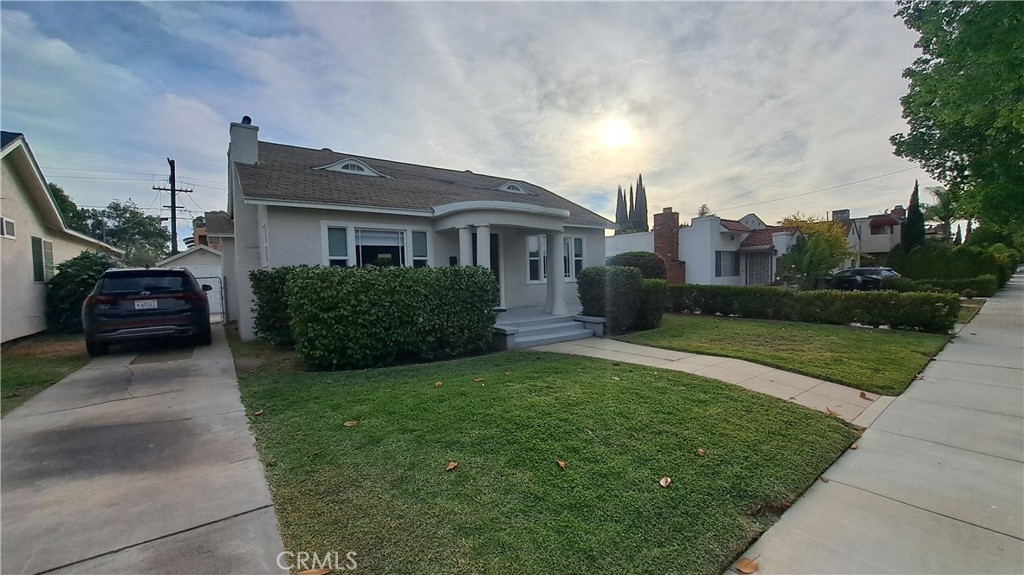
[95,348]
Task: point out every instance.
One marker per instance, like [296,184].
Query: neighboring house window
[42,259]
[573,258]
[726,264]
[419,249]
[337,247]
[6,227]
[536,258]
[880,230]
[380,247]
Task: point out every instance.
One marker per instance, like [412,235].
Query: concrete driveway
[141,462]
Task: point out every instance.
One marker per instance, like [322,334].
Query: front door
[759,269]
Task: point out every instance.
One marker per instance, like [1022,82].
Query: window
[536,258]
[880,230]
[419,249]
[337,247]
[515,188]
[6,227]
[573,257]
[42,259]
[726,264]
[380,248]
[350,167]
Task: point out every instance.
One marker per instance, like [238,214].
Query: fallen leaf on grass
[830,412]
[561,465]
[508,373]
[853,446]
[478,379]
[700,453]
[451,465]
[824,479]
[616,379]
[665,481]
[352,423]
[315,572]
[438,384]
[258,412]
[746,565]
[866,396]
[919,376]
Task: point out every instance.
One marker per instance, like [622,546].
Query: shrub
[67,290]
[986,285]
[953,263]
[611,292]
[651,265]
[910,311]
[270,304]
[653,297]
[369,317]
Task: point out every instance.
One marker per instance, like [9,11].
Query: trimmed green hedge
[345,318]
[910,311]
[653,300]
[611,292]
[985,286]
[270,304]
[928,263]
[650,264]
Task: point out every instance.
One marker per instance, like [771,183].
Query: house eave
[340,207]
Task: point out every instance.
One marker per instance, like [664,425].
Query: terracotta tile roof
[763,238]
[884,220]
[219,224]
[286,173]
[734,226]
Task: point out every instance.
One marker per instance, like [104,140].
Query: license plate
[145,304]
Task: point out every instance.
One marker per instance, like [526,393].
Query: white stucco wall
[880,243]
[638,242]
[228,270]
[697,246]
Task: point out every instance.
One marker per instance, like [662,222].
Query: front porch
[531,326]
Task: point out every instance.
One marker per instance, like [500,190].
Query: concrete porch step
[555,337]
[528,323]
[546,328]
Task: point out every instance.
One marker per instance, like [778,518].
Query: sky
[764,107]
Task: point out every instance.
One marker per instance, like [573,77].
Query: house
[33,240]
[870,238]
[201,235]
[205,263]
[291,205]
[713,250]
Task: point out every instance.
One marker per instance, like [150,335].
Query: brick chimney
[899,211]
[666,245]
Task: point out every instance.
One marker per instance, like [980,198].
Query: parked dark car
[862,279]
[136,303]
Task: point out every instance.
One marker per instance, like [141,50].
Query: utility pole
[174,206]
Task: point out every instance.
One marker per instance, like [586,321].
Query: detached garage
[205,263]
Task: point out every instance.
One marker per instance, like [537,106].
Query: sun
[616,133]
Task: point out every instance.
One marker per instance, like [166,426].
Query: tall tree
[965,107]
[640,215]
[912,232]
[74,218]
[621,214]
[831,234]
[122,224]
[959,239]
[629,216]
[967,234]
[703,211]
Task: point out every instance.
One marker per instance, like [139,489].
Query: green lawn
[380,488]
[876,360]
[30,365]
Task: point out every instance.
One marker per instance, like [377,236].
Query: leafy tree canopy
[74,218]
[832,234]
[965,107]
[144,238]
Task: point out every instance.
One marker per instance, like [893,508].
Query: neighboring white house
[33,240]
[634,242]
[205,263]
[292,205]
[873,235]
[718,251]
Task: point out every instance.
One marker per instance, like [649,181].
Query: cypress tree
[913,228]
[640,217]
[959,238]
[632,212]
[621,215]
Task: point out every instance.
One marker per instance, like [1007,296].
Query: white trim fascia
[425,213]
[94,241]
[518,207]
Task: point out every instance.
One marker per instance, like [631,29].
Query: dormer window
[514,188]
[351,166]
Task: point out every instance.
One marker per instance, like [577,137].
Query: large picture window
[380,248]
[727,264]
[42,259]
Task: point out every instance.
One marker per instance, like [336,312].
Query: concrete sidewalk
[810,392]
[137,463]
[937,484]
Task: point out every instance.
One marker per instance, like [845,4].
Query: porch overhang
[490,213]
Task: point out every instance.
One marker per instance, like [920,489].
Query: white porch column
[483,246]
[465,246]
[556,275]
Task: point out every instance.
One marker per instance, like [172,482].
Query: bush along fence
[929,263]
[650,264]
[622,296]
[369,317]
[932,312]
[985,286]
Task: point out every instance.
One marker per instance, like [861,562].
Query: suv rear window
[153,282]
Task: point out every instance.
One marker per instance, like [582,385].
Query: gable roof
[764,237]
[186,253]
[16,146]
[734,226]
[287,174]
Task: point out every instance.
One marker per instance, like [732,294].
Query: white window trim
[568,253]
[337,167]
[571,278]
[43,242]
[507,187]
[350,232]
[3,228]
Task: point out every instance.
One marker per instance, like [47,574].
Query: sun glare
[616,133]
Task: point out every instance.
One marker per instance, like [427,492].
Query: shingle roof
[734,226]
[218,224]
[286,173]
[759,238]
[8,137]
